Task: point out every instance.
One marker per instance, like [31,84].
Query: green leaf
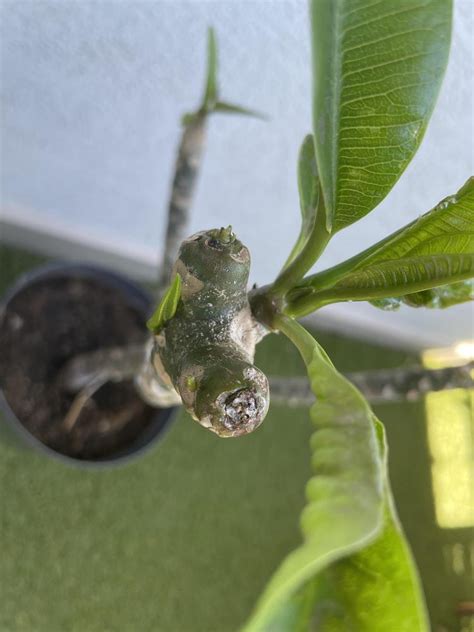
[442,297]
[376,588]
[435,250]
[210,101]
[354,570]
[167,307]
[344,496]
[377,70]
[211,90]
[387,304]
[400,277]
[231,108]
[436,298]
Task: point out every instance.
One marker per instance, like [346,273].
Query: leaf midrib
[336,105]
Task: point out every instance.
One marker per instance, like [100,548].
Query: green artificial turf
[183,539]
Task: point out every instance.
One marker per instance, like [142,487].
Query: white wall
[92,96]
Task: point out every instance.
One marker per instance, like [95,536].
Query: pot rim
[137,297]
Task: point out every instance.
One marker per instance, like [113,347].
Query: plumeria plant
[377,70]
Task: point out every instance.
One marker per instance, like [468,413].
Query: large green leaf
[354,571]
[402,276]
[434,250]
[376,588]
[378,67]
[344,511]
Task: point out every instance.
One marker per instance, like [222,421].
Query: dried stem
[114,364]
[123,363]
[187,167]
[81,400]
[378,386]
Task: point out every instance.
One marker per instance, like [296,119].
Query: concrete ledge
[60,243]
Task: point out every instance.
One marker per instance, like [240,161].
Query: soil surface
[44,326]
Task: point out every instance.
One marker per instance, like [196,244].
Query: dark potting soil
[44,326]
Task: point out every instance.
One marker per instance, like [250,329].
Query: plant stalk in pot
[50,316]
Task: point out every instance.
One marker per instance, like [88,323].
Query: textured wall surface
[92,96]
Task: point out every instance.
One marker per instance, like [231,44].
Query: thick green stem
[265,306]
[206,349]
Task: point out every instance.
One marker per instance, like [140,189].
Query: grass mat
[184,539]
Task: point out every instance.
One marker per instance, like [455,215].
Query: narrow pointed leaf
[435,250]
[210,101]
[377,70]
[211,90]
[231,108]
[167,307]
[344,496]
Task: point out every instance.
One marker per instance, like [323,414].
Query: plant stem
[114,364]
[186,173]
[379,386]
[311,252]
[308,296]
[81,399]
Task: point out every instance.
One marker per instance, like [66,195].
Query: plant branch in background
[189,159]
[379,386]
[118,364]
[187,166]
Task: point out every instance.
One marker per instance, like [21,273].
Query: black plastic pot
[134,298]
